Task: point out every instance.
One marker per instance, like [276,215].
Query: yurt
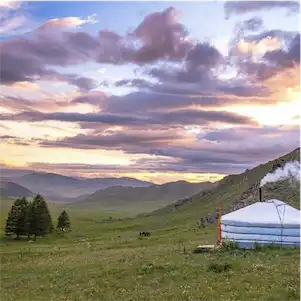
[271,222]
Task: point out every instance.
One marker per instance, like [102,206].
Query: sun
[11,163]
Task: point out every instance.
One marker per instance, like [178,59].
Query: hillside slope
[141,199]
[58,187]
[232,192]
[10,189]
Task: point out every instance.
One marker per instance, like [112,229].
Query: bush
[219,267]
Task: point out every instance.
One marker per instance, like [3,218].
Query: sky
[159,91]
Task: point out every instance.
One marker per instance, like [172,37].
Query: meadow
[103,259]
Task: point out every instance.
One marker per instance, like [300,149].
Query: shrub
[219,267]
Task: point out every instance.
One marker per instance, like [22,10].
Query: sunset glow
[158,93]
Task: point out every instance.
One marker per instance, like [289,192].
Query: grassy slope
[140,199]
[107,261]
[233,189]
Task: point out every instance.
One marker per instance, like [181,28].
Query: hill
[59,188]
[232,192]
[10,189]
[141,199]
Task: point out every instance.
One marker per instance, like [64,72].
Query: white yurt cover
[270,222]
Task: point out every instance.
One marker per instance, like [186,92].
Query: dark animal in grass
[144,234]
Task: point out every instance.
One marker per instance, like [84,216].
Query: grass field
[102,260]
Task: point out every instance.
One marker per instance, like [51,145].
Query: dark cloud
[252,24]
[172,96]
[113,119]
[18,140]
[282,35]
[136,82]
[228,150]
[141,165]
[84,83]
[243,7]
[26,59]
[272,62]
[162,36]
[285,58]
[118,141]
[179,117]
[203,55]
[223,136]
[4,137]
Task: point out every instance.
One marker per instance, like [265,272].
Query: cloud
[83,83]
[66,23]
[255,48]
[31,58]
[266,55]
[12,17]
[252,24]
[178,117]
[243,7]
[183,153]
[170,95]
[9,25]
[140,166]
[10,4]
[162,36]
[285,58]
[20,104]
[4,127]
[7,137]
[182,83]
[24,60]
[118,141]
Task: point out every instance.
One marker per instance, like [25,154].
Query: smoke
[290,170]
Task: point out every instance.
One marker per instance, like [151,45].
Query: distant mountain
[10,189]
[141,199]
[58,187]
[12,173]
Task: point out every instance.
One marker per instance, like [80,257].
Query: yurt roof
[271,213]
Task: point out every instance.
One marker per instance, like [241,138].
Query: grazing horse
[144,234]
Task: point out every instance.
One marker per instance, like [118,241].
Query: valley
[103,256]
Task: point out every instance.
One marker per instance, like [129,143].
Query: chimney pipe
[260,194]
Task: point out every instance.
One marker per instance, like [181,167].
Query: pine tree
[40,222]
[63,221]
[17,221]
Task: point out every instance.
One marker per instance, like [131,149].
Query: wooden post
[219,228]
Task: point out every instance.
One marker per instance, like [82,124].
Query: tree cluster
[32,218]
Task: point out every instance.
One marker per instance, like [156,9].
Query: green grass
[107,261]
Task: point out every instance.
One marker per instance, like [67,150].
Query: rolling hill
[232,192]
[60,188]
[10,189]
[141,199]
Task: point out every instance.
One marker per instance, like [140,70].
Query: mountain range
[141,199]
[62,188]
[126,194]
